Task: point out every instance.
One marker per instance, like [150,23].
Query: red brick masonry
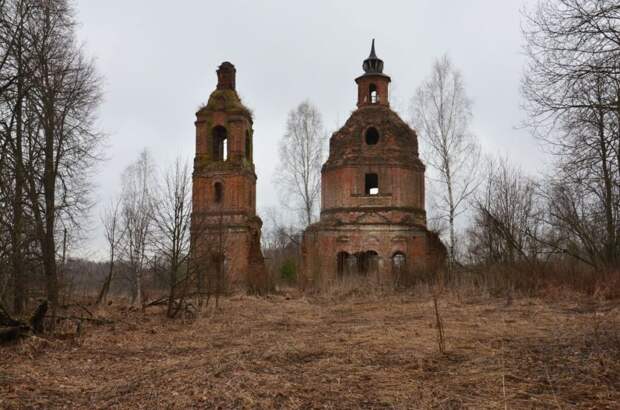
[224,185]
[379,232]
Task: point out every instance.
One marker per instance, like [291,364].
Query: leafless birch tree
[301,155]
[441,113]
[137,219]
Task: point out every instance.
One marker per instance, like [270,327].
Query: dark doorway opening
[367,262]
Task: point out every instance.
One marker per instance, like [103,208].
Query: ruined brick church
[373,221]
[225,230]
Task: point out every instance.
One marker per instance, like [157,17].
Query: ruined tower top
[226,76]
[224,99]
[372,86]
[373,64]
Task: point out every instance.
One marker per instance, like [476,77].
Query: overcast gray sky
[158,59]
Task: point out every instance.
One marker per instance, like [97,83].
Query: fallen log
[7,320]
[13,333]
[17,328]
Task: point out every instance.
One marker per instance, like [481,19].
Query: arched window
[220,143]
[218,190]
[399,262]
[371,184]
[399,269]
[372,136]
[372,94]
[248,146]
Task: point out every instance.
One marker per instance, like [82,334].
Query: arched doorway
[367,262]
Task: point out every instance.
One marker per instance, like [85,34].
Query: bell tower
[372,86]
[225,227]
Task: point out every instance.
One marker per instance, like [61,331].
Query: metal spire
[372,50]
[373,64]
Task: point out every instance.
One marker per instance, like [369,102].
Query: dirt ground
[294,351]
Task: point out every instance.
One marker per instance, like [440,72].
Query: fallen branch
[157,302]
[98,321]
[78,305]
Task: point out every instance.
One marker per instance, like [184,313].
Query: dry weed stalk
[436,292]
[439,325]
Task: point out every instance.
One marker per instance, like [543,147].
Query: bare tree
[281,245]
[49,92]
[572,96]
[64,143]
[441,112]
[172,213]
[508,217]
[137,219]
[301,157]
[13,71]
[114,234]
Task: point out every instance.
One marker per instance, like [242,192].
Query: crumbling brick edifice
[225,227]
[373,221]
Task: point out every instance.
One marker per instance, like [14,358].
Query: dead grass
[293,351]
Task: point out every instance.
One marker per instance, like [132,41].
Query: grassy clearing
[295,351]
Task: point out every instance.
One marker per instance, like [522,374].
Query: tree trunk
[451,215]
[49,187]
[138,298]
[103,293]
[17,233]
[608,204]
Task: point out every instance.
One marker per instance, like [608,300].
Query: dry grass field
[303,352]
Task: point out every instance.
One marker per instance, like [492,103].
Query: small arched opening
[399,262]
[371,184]
[400,272]
[373,96]
[220,143]
[218,192]
[372,136]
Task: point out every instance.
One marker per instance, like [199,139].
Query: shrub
[288,271]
